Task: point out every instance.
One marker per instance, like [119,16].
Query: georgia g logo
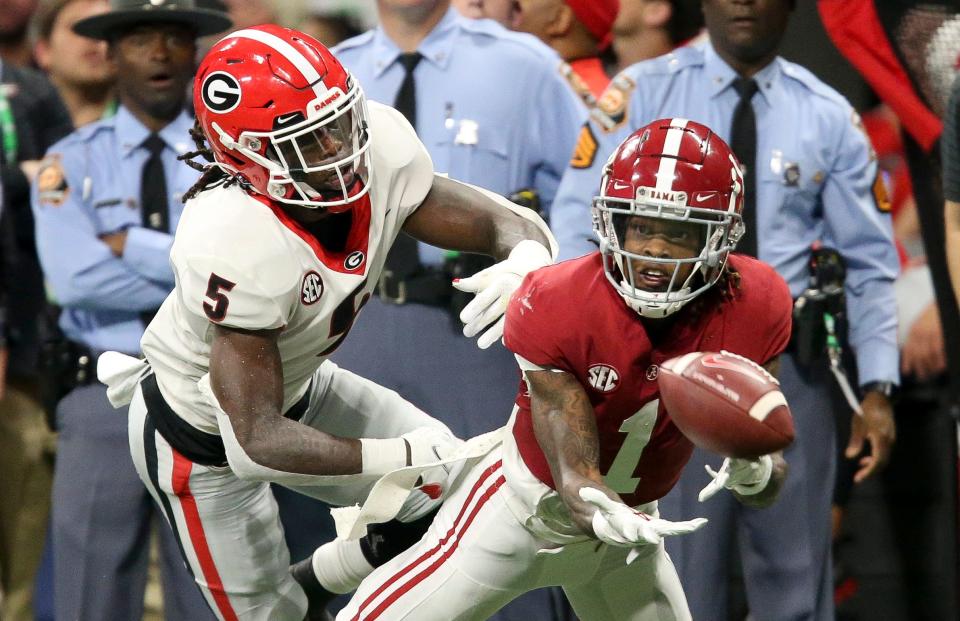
[220,92]
[311,288]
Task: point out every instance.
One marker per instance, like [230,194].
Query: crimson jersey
[568,317]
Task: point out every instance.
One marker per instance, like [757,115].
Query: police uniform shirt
[89,187]
[492,107]
[816,178]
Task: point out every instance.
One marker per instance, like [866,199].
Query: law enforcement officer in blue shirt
[105,206]
[815,180]
[492,109]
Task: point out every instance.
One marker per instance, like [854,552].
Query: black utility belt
[200,447]
[428,285]
[432,285]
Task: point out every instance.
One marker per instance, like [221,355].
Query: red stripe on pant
[452,533]
[181,487]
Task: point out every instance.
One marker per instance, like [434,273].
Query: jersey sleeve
[779,324]
[233,277]
[399,151]
[761,326]
[531,330]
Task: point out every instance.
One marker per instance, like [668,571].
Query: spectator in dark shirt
[32,118]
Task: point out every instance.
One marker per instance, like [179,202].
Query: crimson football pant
[477,557]
[229,529]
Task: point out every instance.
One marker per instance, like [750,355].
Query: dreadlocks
[213,175]
[725,289]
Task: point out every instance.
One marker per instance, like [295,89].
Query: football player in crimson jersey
[281,242]
[589,449]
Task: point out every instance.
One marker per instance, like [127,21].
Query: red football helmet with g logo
[279,110]
[677,171]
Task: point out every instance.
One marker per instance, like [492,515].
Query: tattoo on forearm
[565,425]
[580,442]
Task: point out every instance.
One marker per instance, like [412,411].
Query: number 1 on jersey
[638,428]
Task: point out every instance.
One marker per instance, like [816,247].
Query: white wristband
[382,456]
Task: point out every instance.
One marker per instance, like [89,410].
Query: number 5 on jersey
[215,306]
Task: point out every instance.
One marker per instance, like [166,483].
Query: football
[726,403]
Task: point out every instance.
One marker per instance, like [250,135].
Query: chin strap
[652,310]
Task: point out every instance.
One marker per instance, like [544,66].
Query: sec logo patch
[603,377]
[311,288]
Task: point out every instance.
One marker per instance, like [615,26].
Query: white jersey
[240,261]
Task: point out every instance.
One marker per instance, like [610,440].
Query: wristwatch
[884,388]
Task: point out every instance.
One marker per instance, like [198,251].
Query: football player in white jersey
[281,242]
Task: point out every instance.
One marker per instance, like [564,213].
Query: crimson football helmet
[280,111]
[678,174]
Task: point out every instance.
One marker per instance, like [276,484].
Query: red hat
[598,17]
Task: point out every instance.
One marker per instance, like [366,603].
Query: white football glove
[494,286]
[618,525]
[744,476]
[428,445]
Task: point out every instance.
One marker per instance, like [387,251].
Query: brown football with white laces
[726,403]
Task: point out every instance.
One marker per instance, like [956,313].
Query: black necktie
[743,141]
[406,100]
[154,207]
[404,257]
[153,188]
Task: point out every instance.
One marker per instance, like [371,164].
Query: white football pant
[229,529]
[478,555]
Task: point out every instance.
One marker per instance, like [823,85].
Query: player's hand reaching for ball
[617,524]
[494,286]
[755,482]
[744,476]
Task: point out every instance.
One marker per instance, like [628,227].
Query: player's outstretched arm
[461,217]
[247,379]
[566,428]
[457,216]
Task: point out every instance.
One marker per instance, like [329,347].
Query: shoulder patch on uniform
[52,188]
[586,150]
[578,85]
[611,110]
[881,197]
